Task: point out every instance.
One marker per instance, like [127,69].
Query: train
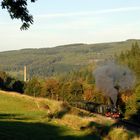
[106,110]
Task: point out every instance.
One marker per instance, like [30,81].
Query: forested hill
[60,59]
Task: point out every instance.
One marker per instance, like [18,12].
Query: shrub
[33,87]
[120,133]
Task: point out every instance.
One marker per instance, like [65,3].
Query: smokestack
[25,75]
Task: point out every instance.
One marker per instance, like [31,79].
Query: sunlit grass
[25,117]
[22,115]
[120,133]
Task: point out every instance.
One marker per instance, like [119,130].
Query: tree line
[131,59]
[9,83]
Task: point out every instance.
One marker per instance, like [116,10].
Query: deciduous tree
[17,9]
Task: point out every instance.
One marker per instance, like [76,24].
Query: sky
[59,22]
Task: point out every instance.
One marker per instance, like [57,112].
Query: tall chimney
[25,76]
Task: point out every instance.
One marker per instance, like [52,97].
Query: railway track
[131,126]
[131,123]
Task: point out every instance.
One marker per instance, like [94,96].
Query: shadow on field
[18,130]
[12,128]
[97,128]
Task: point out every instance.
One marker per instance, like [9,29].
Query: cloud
[124,9]
[87,13]
[78,24]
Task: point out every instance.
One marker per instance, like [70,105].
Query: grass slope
[26,118]
[21,118]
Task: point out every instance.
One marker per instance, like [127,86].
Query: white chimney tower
[25,75]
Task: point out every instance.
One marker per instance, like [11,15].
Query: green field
[26,118]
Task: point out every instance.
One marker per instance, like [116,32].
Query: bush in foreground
[120,133]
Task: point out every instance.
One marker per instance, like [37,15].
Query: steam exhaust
[110,78]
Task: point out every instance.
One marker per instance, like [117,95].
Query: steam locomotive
[107,110]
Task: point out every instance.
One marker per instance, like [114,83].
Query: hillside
[21,118]
[24,117]
[60,59]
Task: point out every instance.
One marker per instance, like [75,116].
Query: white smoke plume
[110,77]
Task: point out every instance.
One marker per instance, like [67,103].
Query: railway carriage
[108,111]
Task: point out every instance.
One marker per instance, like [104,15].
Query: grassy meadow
[27,118]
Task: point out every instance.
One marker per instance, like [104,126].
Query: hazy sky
[58,22]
